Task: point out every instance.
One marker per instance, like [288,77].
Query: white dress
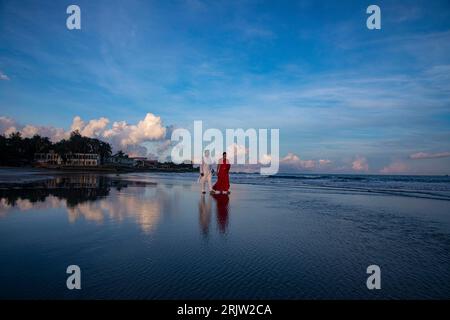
[205,168]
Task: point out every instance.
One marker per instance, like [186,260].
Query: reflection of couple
[223,181]
[221,212]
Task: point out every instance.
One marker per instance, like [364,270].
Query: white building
[121,160]
[82,159]
[72,159]
[48,158]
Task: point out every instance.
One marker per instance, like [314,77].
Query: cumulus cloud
[236,149]
[395,167]
[165,146]
[293,161]
[121,135]
[425,155]
[360,164]
[94,128]
[291,158]
[148,129]
[6,124]
[133,150]
[265,159]
[3,76]
[161,149]
[324,162]
[55,134]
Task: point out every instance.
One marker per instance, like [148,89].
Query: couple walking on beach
[223,181]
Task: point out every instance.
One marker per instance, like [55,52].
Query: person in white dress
[205,172]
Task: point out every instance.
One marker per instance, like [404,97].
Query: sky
[346,99]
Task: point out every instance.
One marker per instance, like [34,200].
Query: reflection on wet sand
[222,201]
[86,196]
[118,207]
[222,212]
[204,210]
[97,198]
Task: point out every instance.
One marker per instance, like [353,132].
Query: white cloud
[164,146]
[6,123]
[425,155]
[94,128]
[8,126]
[293,161]
[122,136]
[3,76]
[395,167]
[324,162]
[360,164]
[133,150]
[148,129]
[54,134]
[237,150]
[10,130]
[265,159]
[291,158]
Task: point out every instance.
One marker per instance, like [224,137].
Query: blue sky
[367,100]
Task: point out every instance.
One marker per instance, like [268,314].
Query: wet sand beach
[154,236]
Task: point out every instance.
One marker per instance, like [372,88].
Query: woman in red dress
[223,181]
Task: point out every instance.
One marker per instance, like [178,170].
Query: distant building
[71,159]
[139,161]
[120,159]
[50,158]
[82,159]
[151,163]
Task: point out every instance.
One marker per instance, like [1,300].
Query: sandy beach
[12,175]
[154,236]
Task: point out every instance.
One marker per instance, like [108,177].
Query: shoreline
[165,220]
[195,169]
[17,177]
[23,175]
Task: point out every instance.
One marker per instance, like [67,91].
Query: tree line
[16,150]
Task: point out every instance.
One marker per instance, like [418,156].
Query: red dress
[223,181]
